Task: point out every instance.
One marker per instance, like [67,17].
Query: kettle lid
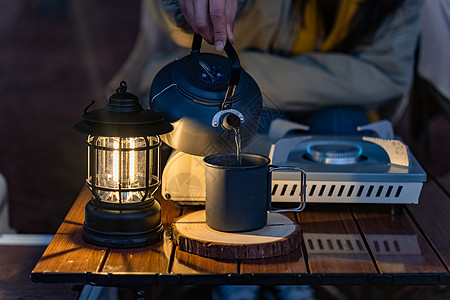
[205,77]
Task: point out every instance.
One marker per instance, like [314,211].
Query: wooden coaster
[279,237]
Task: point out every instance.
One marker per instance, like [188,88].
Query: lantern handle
[122,87]
[87,107]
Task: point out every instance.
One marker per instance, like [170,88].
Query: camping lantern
[123,172]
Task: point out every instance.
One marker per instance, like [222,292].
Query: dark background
[55,58]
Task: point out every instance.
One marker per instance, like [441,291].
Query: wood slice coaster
[279,237]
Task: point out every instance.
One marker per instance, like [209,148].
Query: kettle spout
[231,122]
[229,119]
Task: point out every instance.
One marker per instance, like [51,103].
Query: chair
[4,208]
[430,94]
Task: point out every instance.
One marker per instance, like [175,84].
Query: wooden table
[342,244]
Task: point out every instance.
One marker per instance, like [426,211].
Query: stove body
[339,169]
[348,170]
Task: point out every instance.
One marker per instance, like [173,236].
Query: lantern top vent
[123,116]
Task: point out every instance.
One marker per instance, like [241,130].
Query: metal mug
[238,195]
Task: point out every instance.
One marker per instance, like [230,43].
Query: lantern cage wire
[123,170]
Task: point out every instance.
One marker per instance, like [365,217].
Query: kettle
[207,98]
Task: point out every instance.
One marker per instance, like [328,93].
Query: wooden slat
[186,263]
[433,215]
[333,242]
[395,241]
[151,259]
[293,262]
[67,252]
[169,211]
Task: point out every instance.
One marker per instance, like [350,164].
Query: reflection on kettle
[204,96]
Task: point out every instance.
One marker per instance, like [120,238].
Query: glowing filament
[132,161]
[116,162]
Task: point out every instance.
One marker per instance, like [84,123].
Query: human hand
[212,19]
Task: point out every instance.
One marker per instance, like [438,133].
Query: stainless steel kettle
[204,96]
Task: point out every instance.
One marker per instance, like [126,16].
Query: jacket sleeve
[373,74]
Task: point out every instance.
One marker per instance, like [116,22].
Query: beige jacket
[370,76]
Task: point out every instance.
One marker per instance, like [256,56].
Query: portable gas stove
[339,169]
[347,169]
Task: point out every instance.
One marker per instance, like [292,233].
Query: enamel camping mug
[238,195]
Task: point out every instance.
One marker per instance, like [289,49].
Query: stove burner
[334,152]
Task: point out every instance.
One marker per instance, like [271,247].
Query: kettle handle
[231,53]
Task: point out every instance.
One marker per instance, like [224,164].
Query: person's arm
[371,75]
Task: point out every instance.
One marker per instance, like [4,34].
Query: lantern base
[122,225]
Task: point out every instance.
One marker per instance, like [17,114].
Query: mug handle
[302,191]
